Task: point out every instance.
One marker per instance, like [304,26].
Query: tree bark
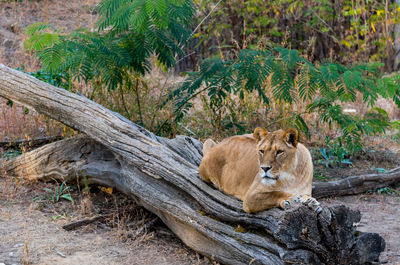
[162,175]
[356,184]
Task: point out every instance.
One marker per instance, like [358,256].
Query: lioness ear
[291,136]
[260,133]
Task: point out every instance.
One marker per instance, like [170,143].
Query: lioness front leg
[309,201]
[257,202]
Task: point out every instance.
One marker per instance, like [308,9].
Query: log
[162,175]
[356,184]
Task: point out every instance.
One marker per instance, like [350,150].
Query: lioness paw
[298,199]
[310,202]
[318,209]
[285,204]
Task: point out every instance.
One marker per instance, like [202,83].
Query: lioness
[264,170]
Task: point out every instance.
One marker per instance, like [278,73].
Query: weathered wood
[162,176]
[356,184]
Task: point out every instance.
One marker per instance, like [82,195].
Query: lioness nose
[265,168]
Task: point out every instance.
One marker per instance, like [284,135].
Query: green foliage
[293,79]
[116,55]
[389,191]
[345,30]
[40,36]
[396,126]
[60,192]
[11,153]
[59,80]
[128,33]
[319,175]
[380,170]
[334,154]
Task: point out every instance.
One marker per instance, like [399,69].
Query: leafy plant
[396,135]
[59,80]
[128,33]
[332,159]
[292,79]
[380,170]
[389,191]
[117,53]
[60,192]
[11,153]
[334,154]
[320,175]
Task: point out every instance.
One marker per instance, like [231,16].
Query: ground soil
[31,230]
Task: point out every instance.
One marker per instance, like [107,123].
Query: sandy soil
[31,237]
[31,232]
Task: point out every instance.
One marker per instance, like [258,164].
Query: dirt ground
[31,230]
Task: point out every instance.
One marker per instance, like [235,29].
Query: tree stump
[162,175]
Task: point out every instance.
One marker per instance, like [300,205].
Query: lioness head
[276,152]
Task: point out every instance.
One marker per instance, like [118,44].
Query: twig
[198,26]
[145,227]
[80,223]
[30,142]
[201,22]
[138,100]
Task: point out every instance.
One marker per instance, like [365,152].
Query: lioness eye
[279,152]
[262,151]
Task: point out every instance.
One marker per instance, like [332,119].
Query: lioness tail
[208,144]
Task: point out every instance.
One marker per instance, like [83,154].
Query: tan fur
[236,164]
[208,144]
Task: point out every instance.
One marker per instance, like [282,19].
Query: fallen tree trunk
[162,176]
[356,184]
[81,156]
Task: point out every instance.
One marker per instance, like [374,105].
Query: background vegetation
[346,31]
[248,63]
